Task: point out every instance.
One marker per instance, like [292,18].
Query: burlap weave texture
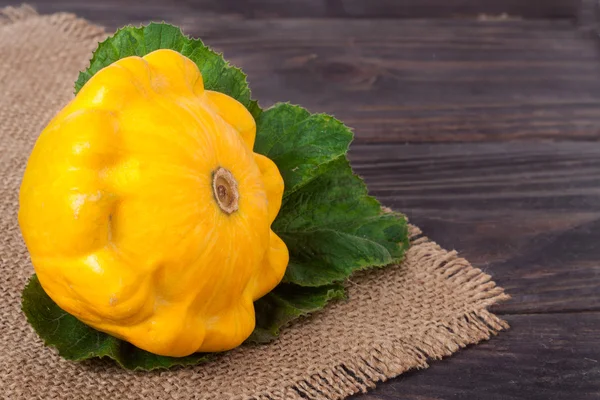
[395,319]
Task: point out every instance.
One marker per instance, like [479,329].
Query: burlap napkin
[395,319]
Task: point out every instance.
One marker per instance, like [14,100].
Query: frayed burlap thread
[395,319]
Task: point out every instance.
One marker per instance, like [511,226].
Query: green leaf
[333,228]
[286,303]
[76,341]
[330,224]
[218,74]
[300,143]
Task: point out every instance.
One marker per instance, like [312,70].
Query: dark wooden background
[480,119]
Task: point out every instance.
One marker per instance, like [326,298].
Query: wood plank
[542,357]
[111,11]
[455,8]
[589,16]
[417,80]
[423,81]
[526,213]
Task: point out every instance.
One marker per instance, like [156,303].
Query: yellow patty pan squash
[147,214]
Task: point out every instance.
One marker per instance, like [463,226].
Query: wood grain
[542,357]
[117,11]
[424,81]
[526,213]
[408,80]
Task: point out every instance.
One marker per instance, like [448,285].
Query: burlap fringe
[11,14]
[366,370]
[70,24]
[388,360]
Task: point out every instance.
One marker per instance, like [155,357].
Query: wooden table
[482,127]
